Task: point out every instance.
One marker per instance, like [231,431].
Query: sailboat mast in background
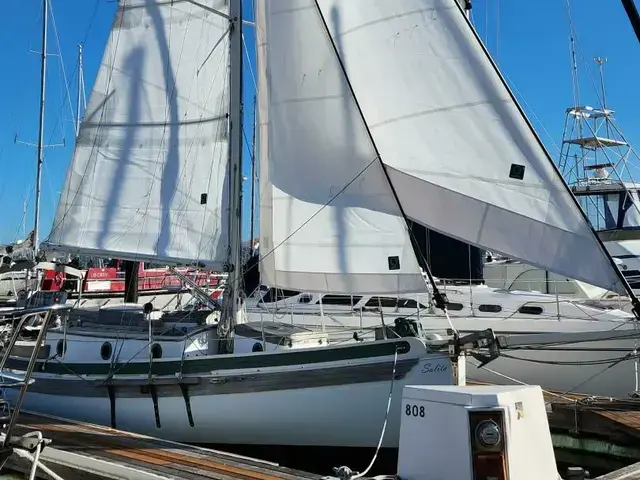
[43,77]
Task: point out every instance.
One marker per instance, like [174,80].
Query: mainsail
[149,176]
[410,81]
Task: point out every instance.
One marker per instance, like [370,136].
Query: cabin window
[392,302]
[61,348]
[156,350]
[611,211]
[150,266]
[454,307]
[277,294]
[530,310]
[305,298]
[489,308]
[386,302]
[340,299]
[257,347]
[409,303]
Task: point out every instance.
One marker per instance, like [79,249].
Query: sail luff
[149,176]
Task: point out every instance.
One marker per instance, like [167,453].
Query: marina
[391,164]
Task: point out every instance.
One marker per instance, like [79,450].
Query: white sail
[328,218]
[459,152]
[148,178]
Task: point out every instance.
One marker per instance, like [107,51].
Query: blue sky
[529,40]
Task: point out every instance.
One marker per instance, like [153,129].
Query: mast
[253,175]
[231,303]
[43,76]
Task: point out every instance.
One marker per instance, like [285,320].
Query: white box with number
[435,436]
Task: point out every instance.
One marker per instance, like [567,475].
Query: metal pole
[253,174]
[80,89]
[231,300]
[43,76]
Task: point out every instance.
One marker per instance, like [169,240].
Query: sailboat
[156,174]
[429,114]
[397,114]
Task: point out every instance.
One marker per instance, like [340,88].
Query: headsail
[328,218]
[458,150]
[149,175]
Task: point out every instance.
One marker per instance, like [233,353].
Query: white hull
[346,415]
[599,379]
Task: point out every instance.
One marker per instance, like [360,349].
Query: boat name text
[431,368]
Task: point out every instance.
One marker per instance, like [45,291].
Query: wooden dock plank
[152,455]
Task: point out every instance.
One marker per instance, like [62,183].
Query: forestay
[328,218]
[458,150]
[148,178]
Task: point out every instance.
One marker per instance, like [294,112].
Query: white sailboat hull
[347,412]
[583,367]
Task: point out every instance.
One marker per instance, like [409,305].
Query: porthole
[257,347]
[106,350]
[530,310]
[488,308]
[156,350]
[61,348]
[454,307]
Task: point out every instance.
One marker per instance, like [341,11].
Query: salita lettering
[431,367]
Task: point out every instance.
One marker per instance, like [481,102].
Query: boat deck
[81,450]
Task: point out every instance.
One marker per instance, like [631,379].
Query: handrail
[19,312]
[25,445]
[24,315]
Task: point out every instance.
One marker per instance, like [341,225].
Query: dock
[592,431]
[90,452]
[604,440]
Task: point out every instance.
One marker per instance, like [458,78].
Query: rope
[346,471]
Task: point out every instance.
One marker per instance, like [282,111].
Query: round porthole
[257,347]
[61,348]
[106,350]
[156,351]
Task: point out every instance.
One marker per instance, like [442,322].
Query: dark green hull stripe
[234,384]
[196,365]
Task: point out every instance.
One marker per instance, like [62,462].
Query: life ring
[58,280]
